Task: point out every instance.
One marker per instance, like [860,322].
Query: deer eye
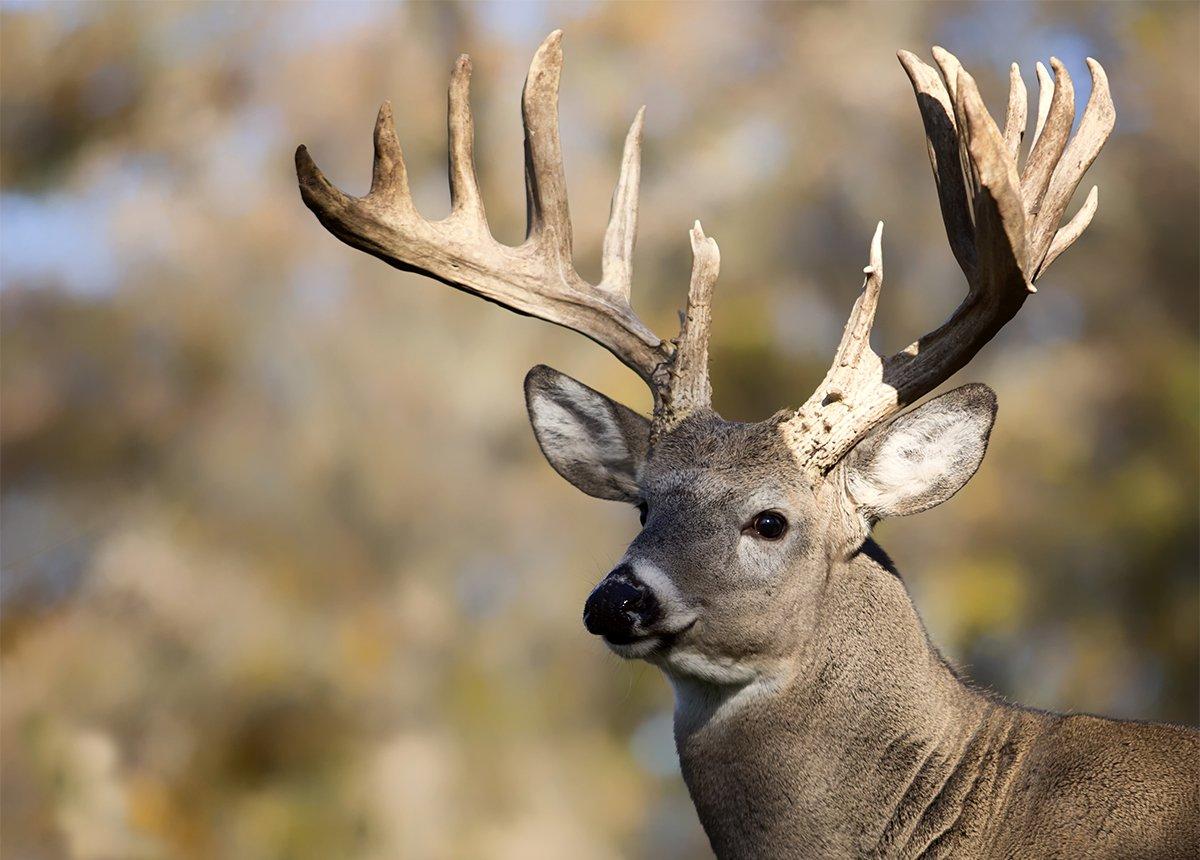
[643,509]
[769,525]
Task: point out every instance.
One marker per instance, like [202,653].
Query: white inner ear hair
[580,431]
[925,451]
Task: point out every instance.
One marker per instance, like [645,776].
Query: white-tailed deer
[813,717]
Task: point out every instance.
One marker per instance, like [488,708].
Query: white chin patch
[691,664]
[708,689]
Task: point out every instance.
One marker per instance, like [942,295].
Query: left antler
[1003,227]
[537,278]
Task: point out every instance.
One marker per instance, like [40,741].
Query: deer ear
[923,457]
[594,442]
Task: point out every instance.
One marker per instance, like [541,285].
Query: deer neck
[833,754]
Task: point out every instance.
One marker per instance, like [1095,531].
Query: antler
[537,278]
[1003,228]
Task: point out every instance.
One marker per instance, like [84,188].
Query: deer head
[742,521]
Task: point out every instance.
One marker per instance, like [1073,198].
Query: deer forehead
[706,448]
[706,479]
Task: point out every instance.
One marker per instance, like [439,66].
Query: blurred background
[284,574]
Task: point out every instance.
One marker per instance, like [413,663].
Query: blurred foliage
[283,572]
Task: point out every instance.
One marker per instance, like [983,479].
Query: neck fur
[820,752]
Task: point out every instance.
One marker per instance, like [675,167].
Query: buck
[813,717]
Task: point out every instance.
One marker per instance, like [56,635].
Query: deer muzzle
[622,608]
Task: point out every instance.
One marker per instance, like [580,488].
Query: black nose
[619,603]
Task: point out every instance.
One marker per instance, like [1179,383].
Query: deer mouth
[634,647]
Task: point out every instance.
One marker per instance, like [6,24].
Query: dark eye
[769,525]
[643,509]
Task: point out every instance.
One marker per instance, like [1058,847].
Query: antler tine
[1099,118]
[464,184]
[856,338]
[825,426]
[1045,94]
[545,182]
[389,177]
[950,67]
[1018,109]
[689,389]
[997,206]
[317,192]
[941,137]
[995,220]
[617,254]
[1073,229]
[1048,148]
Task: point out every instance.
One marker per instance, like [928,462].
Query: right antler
[537,278]
[1003,227]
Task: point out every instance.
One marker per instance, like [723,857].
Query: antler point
[639,119]
[1099,76]
[306,168]
[876,259]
